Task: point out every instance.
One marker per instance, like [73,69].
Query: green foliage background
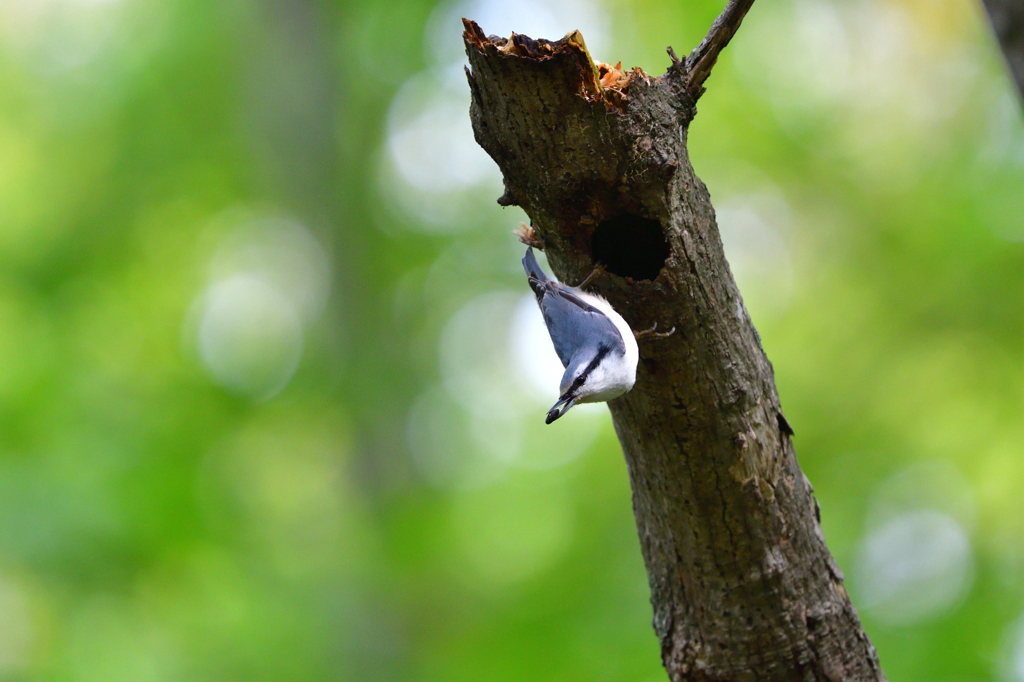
[259,416]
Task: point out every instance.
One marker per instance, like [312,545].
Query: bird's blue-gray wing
[574,325]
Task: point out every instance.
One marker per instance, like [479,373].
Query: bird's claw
[598,270]
[652,332]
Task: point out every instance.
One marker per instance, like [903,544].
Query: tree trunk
[742,584]
[1007,18]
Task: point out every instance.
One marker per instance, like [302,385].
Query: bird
[596,346]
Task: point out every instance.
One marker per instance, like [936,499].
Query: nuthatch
[596,346]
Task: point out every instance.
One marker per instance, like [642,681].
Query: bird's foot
[528,236]
[598,270]
[653,332]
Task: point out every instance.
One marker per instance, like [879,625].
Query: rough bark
[1007,19]
[742,584]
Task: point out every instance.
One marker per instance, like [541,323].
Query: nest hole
[630,246]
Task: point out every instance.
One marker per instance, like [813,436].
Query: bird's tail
[532,267]
[534,275]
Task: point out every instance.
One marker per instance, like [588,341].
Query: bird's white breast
[619,377]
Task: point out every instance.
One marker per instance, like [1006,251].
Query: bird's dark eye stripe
[578,381]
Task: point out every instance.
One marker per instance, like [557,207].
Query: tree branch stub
[700,62]
[742,584]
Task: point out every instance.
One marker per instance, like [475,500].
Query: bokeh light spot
[281,251]
[250,336]
[914,568]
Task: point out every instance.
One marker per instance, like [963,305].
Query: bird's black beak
[565,402]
